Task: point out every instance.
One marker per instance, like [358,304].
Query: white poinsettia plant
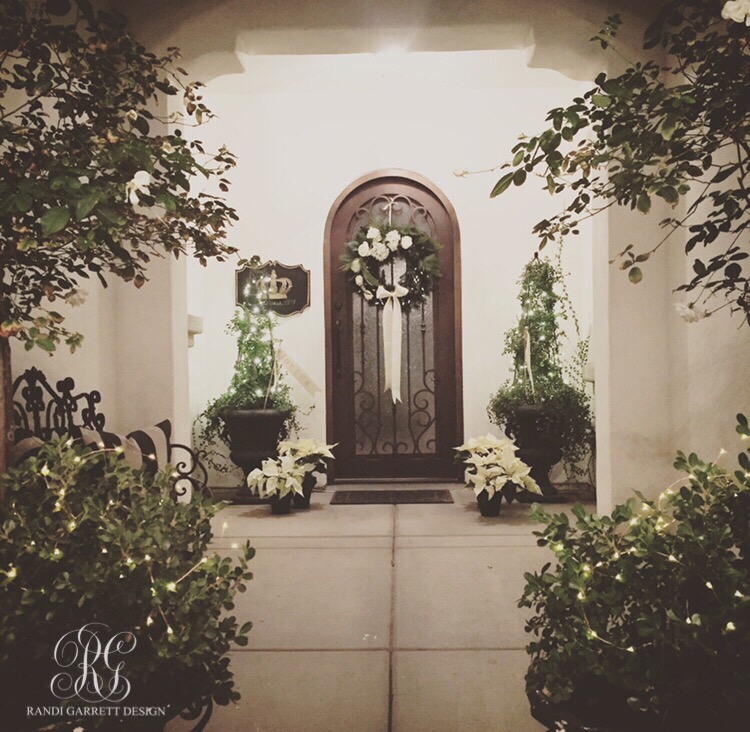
[277,477]
[309,454]
[492,465]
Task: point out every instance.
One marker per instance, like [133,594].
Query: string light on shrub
[12,573]
[172,586]
[45,470]
[730,626]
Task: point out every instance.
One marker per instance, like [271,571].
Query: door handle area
[337,346]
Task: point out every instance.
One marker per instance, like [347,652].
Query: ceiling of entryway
[556,33]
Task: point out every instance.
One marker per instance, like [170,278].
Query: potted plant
[278,479]
[494,471]
[544,406]
[85,539]
[312,456]
[257,409]
[644,621]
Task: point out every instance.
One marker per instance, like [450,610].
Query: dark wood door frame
[410,177]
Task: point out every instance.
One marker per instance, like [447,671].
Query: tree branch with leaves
[676,131]
[97,177]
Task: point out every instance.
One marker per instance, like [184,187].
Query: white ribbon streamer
[304,379]
[392,337]
[527,358]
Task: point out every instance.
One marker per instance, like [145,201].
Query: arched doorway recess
[377,439]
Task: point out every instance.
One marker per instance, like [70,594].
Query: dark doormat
[360,498]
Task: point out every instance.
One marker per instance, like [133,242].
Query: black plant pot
[308,483]
[281,506]
[253,437]
[538,450]
[614,715]
[489,507]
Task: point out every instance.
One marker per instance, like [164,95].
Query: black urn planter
[489,506]
[253,437]
[537,449]
[308,483]
[280,506]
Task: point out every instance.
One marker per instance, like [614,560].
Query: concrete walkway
[381,618]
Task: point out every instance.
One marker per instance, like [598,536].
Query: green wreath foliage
[369,255]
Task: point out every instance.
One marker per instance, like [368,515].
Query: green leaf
[669,194]
[635,275]
[519,177]
[601,100]
[86,205]
[518,157]
[141,124]
[55,219]
[644,203]
[23,202]
[502,185]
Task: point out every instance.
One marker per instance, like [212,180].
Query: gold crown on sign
[278,287]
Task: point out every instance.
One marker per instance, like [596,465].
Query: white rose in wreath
[380,251]
[359,280]
[392,239]
[374,234]
[356,265]
[406,242]
[364,249]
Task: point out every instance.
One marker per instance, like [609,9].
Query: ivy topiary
[257,382]
[566,417]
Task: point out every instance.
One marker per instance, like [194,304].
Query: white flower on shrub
[373,234]
[406,242]
[139,184]
[737,10]
[380,251]
[77,297]
[359,280]
[168,147]
[363,249]
[690,313]
[132,115]
[356,265]
[392,238]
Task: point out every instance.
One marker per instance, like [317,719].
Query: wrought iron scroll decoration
[48,412]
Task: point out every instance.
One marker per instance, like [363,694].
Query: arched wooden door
[379,440]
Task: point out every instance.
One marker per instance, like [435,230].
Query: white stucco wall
[305,127]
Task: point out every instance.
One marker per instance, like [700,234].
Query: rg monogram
[94,672]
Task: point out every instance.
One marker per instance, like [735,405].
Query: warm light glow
[394,48]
